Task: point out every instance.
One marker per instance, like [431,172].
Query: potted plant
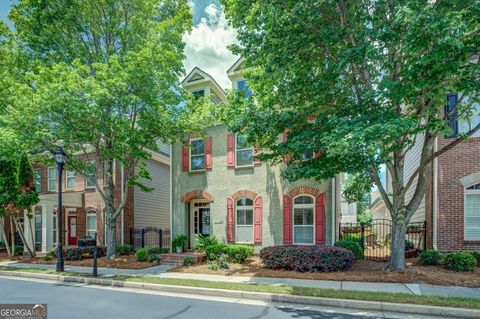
[178,242]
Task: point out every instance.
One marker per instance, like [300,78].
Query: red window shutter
[320,219]
[287,157]
[256,152]
[208,153]
[230,221]
[230,150]
[185,155]
[257,220]
[287,219]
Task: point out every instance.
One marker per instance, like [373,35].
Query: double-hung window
[92,175]
[303,216]
[70,182]
[472,212]
[91,224]
[38,180]
[243,151]
[244,220]
[52,179]
[197,155]
[38,227]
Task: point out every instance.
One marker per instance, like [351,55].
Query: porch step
[177,259]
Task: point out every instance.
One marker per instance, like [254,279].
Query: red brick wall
[459,162]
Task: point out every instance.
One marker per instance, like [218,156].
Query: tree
[360,83]
[100,78]
[17,190]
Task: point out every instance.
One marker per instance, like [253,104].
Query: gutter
[435,197]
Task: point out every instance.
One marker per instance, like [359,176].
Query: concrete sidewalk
[162,271]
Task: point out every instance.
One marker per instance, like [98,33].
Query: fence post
[362,236]
[160,237]
[132,242]
[143,237]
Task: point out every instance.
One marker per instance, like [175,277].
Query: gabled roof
[197,76]
[237,66]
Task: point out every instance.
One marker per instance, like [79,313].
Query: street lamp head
[60,156]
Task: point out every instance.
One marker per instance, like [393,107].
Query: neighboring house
[83,208]
[452,200]
[348,211]
[218,189]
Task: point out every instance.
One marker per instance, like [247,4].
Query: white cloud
[206,45]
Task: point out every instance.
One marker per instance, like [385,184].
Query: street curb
[267,297]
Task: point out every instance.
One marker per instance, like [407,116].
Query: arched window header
[474,187]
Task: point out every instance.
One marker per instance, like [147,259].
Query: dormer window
[198,94]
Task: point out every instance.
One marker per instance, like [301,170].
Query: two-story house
[83,207]
[220,189]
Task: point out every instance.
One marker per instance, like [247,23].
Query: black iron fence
[376,238]
[149,237]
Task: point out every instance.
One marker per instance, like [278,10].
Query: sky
[206,44]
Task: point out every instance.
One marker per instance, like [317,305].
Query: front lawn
[362,270]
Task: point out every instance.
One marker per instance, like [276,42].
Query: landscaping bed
[123,262]
[362,270]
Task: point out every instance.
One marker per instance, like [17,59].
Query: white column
[26,230]
[44,228]
[48,227]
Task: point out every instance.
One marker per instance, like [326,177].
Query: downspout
[334,211]
[171,193]
[122,214]
[435,198]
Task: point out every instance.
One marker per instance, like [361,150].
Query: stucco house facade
[219,189]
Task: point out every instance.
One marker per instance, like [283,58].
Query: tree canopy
[360,83]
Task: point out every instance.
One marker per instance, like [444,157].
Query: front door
[200,222]
[72,230]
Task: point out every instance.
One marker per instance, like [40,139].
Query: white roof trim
[470,179]
[234,67]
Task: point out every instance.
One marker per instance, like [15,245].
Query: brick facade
[453,165]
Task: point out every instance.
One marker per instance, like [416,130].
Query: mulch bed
[122,262]
[363,270]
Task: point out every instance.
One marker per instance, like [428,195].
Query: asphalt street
[78,301]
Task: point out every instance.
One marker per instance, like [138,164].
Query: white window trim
[90,213]
[236,221]
[243,149]
[197,155]
[67,177]
[38,240]
[95,175]
[39,181]
[51,179]
[293,218]
[468,192]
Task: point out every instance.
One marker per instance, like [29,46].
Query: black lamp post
[61,159]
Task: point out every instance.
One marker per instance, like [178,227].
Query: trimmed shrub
[238,253]
[352,245]
[123,249]
[79,253]
[202,242]
[214,251]
[430,257]
[460,261]
[142,254]
[187,261]
[18,250]
[307,258]
[47,258]
[409,245]
[157,250]
[476,255]
[154,258]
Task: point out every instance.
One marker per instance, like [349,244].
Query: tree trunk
[110,236]
[12,236]
[32,235]
[4,235]
[397,257]
[22,236]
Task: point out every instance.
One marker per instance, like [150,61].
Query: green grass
[457,302]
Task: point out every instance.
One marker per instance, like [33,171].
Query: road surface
[80,301]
